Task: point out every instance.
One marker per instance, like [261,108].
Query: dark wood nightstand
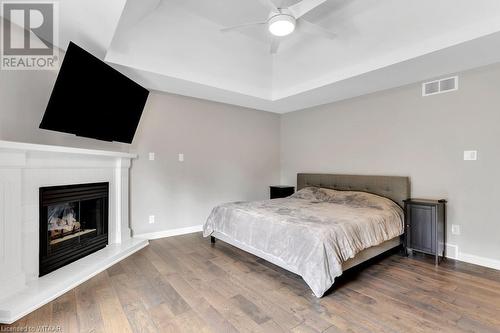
[425,222]
[281,191]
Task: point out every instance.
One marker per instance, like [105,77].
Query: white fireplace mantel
[24,168]
[25,147]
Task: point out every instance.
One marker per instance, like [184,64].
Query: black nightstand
[425,222]
[281,191]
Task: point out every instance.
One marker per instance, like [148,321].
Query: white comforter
[314,231]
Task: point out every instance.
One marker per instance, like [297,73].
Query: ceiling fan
[283,21]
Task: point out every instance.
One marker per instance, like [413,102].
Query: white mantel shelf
[22,146]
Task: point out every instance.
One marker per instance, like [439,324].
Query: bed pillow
[314,194]
[353,199]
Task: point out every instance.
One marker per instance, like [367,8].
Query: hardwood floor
[185,284]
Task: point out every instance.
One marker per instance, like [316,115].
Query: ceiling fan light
[281,25]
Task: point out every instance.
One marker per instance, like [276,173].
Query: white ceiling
[176,46]
[89,23]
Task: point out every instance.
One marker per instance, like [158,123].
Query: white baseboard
[170,232]
[481,261]
[452,252]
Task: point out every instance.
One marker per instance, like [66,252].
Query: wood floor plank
[237,318]
[238,282]
[163,318]
[87,308]
[64,313]
[418,288]
[113,316]
[252,310]
[139,317]
[41,317]
[214,318]
[190,322]
[187,284]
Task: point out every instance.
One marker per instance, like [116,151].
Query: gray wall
[399,132]
[231,153]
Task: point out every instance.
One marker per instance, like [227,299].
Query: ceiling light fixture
[281,25]
[283,21]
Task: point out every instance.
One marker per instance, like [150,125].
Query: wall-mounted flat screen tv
[92,99]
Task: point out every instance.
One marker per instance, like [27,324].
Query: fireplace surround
[24,169]
[73,223]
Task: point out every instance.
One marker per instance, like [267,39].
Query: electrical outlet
[181,157]
[151,156]
[470,155]
[151,219]
[455,229]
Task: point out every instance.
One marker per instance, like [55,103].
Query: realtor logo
[29,33]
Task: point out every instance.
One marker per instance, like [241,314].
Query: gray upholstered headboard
[395,188]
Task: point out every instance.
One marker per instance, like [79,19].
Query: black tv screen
[92,99]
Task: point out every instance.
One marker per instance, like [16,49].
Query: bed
[332,223]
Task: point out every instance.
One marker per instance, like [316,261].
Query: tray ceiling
[176,46]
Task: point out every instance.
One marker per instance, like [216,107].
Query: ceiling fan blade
[312,28]
[301,8]
[275,44]
[239,26]
[279,3]
[269,4]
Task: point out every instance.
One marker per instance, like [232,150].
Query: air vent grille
[431,88]
[440,86]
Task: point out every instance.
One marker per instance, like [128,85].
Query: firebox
[73,223]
